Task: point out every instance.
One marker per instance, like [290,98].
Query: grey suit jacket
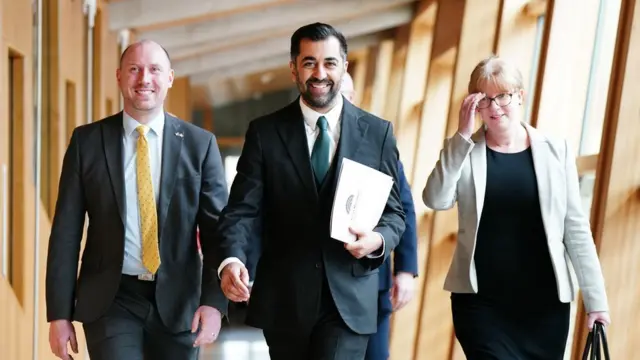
[460,177]
[193,192]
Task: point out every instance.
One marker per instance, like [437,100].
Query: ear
[171,77]
[346,65]
[521,94]
[118,75]
[292,66]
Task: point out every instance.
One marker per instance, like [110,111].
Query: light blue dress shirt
[132,264]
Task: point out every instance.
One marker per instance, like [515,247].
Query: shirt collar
[311,116]
[130,124]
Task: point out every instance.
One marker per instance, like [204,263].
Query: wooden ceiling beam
[352,28]
[140,14]
[246,27]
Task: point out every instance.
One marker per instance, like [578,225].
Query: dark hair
[142,41]
[316,32]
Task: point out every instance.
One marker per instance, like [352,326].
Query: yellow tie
[147,205]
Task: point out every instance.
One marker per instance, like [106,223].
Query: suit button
[318,265]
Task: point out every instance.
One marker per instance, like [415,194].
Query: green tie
[320,153]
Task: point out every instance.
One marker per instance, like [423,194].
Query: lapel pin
[180,134]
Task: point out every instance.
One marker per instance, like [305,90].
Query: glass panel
[534,67]
[600,73]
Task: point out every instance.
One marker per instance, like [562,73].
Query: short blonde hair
[496,72]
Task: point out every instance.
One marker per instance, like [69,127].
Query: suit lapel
[293,136]
[479,169]
[352,132]
[112,140]
[539,152]
[172,139]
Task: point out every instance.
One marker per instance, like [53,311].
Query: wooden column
[359,73]
[415,82]
[371,78]
[396,78]
[407,324]
[376,91]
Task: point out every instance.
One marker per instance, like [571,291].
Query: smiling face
[144,77]
[502,86]
[318,72]
[501,107]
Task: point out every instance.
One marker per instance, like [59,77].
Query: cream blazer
[460,176]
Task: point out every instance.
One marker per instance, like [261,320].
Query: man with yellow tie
[147,182]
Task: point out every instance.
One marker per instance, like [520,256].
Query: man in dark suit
[397,290]
[147,181]
[314,297]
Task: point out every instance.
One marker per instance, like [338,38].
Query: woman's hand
[467,121]
[599,316]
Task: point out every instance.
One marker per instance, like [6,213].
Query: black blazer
[193,192]
[275,183]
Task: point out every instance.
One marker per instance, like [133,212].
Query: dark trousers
[328,339]
[378,347]
[132,329]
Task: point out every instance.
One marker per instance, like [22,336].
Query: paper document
[361,195]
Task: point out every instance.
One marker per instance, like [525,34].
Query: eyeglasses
[503,99]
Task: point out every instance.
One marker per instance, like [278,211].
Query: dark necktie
[320,153]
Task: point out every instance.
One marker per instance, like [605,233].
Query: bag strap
[588,345]
[595,350]
[603,339]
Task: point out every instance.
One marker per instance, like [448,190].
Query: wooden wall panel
[369,77]
[408,325]
[178,100]
[376,92]
[109,99]
[67,79]
[396,78]
[17,311]
[415,82]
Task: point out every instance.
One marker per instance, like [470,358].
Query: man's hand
[62,332]
[403,290]
[235,282]
[367,242]
[209,320]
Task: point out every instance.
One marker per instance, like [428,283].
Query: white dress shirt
[312,131]
[132,264]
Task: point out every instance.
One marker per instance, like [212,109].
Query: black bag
[596,344]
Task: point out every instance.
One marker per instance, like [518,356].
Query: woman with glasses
[519,213]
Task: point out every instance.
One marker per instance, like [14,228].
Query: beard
[315,101]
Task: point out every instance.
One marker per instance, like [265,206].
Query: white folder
[360,198]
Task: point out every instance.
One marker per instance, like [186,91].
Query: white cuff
[226,262]
[381,252]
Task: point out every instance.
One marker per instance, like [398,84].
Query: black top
[512,257]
